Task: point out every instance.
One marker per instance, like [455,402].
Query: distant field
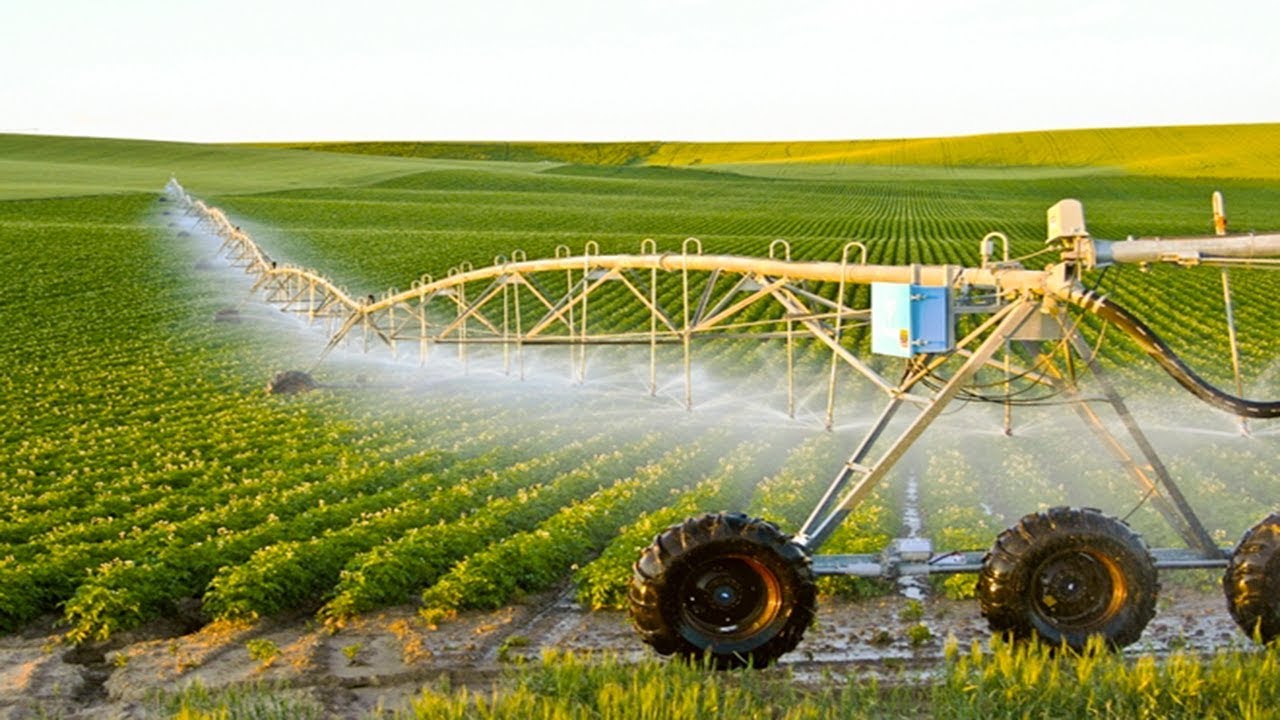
[618,153]
[1209,151]
[1218,151]
[141,465]
[43,167]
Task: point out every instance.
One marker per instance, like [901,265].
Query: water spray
[738,589]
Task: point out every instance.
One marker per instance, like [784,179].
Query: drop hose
[1168,359]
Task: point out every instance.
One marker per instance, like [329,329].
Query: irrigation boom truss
[739,589]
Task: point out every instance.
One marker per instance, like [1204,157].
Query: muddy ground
[383,659]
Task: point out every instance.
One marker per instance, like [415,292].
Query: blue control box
[909,320]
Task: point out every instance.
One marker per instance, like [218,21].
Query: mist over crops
[144,467]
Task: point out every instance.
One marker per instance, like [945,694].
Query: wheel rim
[731,597]
[1078,590]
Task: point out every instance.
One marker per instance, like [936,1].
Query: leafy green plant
[352,652]
[262,650]
[919,634]
[913,611]
[510,643]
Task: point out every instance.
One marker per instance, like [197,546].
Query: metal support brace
[1183,519]
[817,531]
[853,465]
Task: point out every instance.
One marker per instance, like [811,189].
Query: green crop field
[144,472]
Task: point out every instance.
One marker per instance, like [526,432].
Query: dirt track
[384,658]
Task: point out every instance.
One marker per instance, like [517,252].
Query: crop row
[291,572]
[389,572]
[536,559]
[117,595]
[141,465]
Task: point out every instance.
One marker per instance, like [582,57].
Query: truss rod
[814,535]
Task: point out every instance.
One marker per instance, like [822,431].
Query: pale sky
[245,70]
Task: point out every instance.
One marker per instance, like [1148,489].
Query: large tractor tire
[734,589]
[1252,580]
[1066,574]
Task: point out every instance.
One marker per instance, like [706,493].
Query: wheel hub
[725,596]
[731,597]
[1076,589]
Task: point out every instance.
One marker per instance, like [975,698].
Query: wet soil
[383,659]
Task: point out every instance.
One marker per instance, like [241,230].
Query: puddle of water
[912,587]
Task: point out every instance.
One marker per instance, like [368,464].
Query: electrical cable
[1147,496]
[934,381]
[1028,256]
[1168,360]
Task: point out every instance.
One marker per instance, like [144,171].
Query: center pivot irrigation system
[740,590]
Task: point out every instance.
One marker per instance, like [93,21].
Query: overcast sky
[639,70]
